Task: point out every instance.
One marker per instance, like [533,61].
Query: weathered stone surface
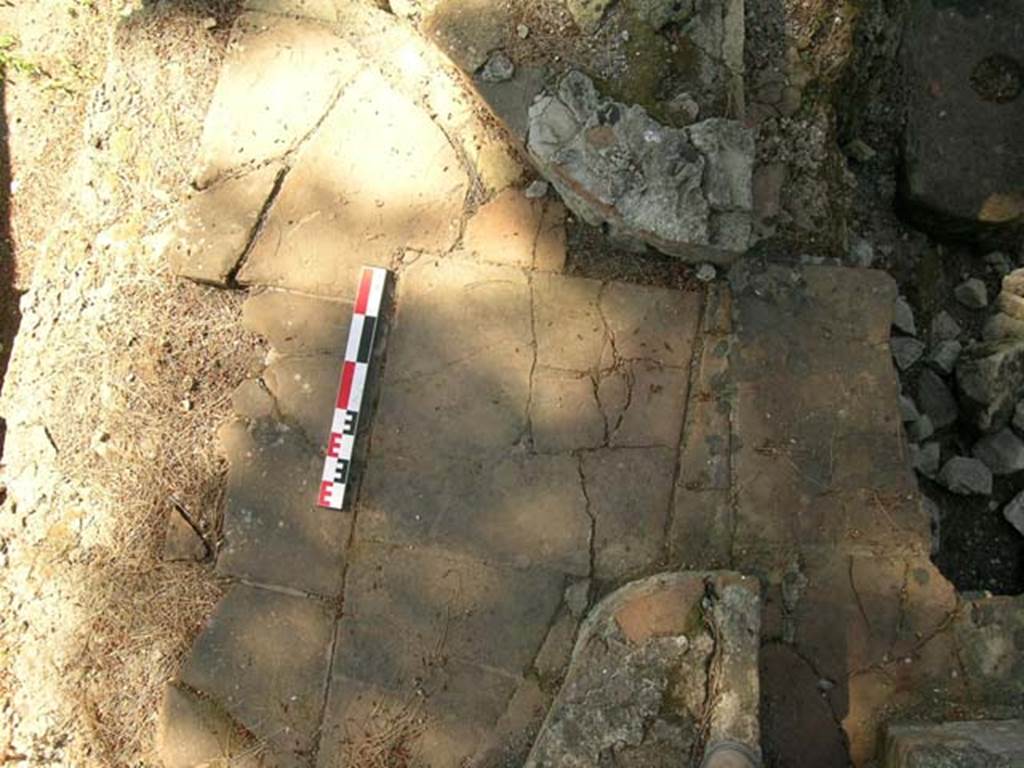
[511,100]
[587,13]
[304,390]
[506,230]
[549,251]
[409,610]
[258,78]
[346,203]
[908,410]
[990,633]
[527,511]
[961,744]
[214,229]
[651,323]
[251,400]
[1002,452]
[963,159]
[972,293]
[468,30]
[1002,326]
[990,379]
[568,324]
[700,534]
[191,731]
[296,324]
[565,413]
[799,726]
[629,493]
[652,413]
[458,375]
[936,400]
[636,686]
[264,656]
[705,456]
[181,540]
[966,476]
[1018,416]
[613,164]
[361,718]
[273,531]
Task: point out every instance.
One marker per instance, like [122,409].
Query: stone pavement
[533,441]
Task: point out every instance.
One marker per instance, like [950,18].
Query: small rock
[706,273]
[945,355]
[908,411]
[182,543]
[685,106]
[925,458]
[1014,512]
[998,263]
[862,253]
[498,68]
[906,351]
[522,31]
[577,597]
[935,399]
[972,293]
[209,22]
[861,151]
[536,189]
[1002,326]
[966,477]
[944,327]
[1002,452]
[1018,417]
[903,317]
[921,429]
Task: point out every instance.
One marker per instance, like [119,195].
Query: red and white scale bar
[350,392]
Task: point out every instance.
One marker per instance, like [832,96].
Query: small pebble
[945,355]
[1018,417]
[209,22]
[908,411]
[944,327]
[966,477]
[523,31]
[1002,452]
[706,273]
[497,69]
[972,293]
[925,458]
[1013,512]
[903,317]
[536,189]
[861,151]
[862,253]
[921,429]
[998,263]
[906,351]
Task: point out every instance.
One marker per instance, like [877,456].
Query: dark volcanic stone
[963,148]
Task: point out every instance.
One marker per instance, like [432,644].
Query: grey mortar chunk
[684,191]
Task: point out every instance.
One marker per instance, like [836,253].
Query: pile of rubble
[965,418]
